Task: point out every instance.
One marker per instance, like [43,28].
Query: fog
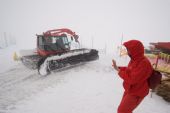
[104,21]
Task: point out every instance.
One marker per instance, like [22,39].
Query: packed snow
[93,87]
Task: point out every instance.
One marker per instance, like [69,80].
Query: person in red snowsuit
[134,77]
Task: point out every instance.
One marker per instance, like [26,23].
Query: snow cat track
[47,64]
[73,57]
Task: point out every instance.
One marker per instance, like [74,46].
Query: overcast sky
[102,20]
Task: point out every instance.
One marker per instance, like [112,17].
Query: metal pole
[157,59]
[92,42]
[105,48]
[121,45]
[5,39]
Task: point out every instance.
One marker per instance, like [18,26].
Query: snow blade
[31,61]
[73,57]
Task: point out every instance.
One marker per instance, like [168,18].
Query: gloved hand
[114,65]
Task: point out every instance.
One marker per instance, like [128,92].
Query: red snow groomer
[54,52]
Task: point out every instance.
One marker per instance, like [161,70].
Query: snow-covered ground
[6,58]
[93,87]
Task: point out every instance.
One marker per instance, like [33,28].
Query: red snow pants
[129,103]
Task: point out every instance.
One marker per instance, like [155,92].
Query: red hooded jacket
[135,75]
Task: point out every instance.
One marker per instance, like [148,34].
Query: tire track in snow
[15,76]
[20,83]
[11,84]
